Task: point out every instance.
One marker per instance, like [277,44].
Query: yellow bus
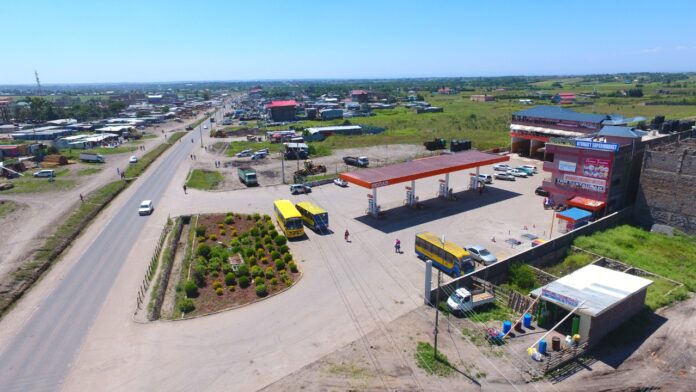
[447,257]
[313,216]
[288,218]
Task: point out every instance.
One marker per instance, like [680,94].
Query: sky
[87,41]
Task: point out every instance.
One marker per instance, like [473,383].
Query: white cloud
[657,49]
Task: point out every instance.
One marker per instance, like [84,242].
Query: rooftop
[559,113]
[627,132]
[421,168]
[281,104]
[601,289]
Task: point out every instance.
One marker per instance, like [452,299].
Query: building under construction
[668,186]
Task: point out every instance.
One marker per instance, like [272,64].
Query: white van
[45,173]
[486,178]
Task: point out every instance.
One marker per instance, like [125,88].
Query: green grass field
[7,207]
[74,154]
[432,363]
[29,184]
[204,180]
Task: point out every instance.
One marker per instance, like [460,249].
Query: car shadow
[399,218]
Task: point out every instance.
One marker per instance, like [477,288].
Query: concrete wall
[540,256]
[614,317]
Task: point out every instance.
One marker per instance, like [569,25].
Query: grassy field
[427,360]
[29,184]
[671,257]
[74,154]
[7,207]
[204,180]
[89,171]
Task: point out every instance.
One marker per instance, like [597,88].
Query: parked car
[340,182]
[501,167]
[263,151]
[258,156]
[481,254]
[45,173]
[243,154]
[205,127]
[486,178]
[526,169]
[504,177]
[146,207]
[133,159]
[542,192]
[530,167]
[300,188]
[517,173]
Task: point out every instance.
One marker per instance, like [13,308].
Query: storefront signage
[596,145]
[559,298]
[379,184]
[597,168]
[566,166]
[592,184]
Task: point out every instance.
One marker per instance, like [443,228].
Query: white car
[146,207]
[243,154]
[133,159]
[258,156]
[501,167]
[205,127]
[481,254]
[45,173]
[517,173]
[340,182]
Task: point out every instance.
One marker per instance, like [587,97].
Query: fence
[560,358]
[167,263]
[152,267]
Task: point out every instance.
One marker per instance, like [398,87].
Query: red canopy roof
[421,168]
[585,203]
[280,104]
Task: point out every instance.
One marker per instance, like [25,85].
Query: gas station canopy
[421,168]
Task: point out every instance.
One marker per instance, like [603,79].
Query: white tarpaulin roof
[549,131]
[601,289]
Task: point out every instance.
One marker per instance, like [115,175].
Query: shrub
[258,245]
[230,279]
[275,255]
[203,250]
[280,264]
[232,288]
[284,248]
[234,242]
[221,225]
[274,281]
[244,282]
[199,272]
[267,239]
[287,257]
[260,253]
[263,260]
[293,266]
[267,217]
[254,232]
[261,290]
[256,216]
[259,281]
[248,217]
[251,260]
[243,270]
[245,239]
[200,239]
[186,305]
[226,268]
[269,273]
[256,271]
[229,219]
[236,249]
[522,276]
[280,240]
[263,232]
[219,291]
[212,237]
[200,231]
[217,284]
[273,233]
[288,282]
[248,252]
[233,233]
[223,232]
[191,288]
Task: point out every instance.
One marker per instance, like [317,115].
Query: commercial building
[282,110]
[331,114]
[601,300]
[482,98]
[598,174]
[531,128]
[44,135]
[360,96]
[564,98]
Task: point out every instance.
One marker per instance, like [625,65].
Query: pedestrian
[345,235]
[185,190]
[82,199]
[397,246]
[118,171]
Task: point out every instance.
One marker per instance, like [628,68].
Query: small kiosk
[572,218]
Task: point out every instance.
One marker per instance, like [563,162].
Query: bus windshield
[293,223]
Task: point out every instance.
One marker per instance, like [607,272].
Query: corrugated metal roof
[421,168]
[575,214]
[628,132]
[558,113]
[600,288]
[280,104]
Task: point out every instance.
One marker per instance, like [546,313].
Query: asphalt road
[41,353]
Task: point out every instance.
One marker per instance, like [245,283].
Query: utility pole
[437,310]
[200,131]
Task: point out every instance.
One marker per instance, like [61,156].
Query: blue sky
[150,40]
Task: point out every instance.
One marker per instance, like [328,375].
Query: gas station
[418,169]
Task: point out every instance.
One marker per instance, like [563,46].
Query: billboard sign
[591,184]
[596,145]
[566,166]
[596,168]
[564,299]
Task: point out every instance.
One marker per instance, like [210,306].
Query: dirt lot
[662,359]
[269,170]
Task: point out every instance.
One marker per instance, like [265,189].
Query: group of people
[397,243]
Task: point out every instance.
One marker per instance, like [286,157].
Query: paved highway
[41,353]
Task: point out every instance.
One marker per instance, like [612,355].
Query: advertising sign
[596,145]
[596,168]
[566,166]
[559,298]
[592,184]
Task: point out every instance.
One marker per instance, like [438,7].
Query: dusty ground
[663,361]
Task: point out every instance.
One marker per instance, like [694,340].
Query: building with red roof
[564,98]
[283,110]
[360,96]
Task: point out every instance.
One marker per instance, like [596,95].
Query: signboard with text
[559,298]
[596,145]
[566,166]
[591,184]
[596,168]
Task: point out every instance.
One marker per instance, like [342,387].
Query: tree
[206,95]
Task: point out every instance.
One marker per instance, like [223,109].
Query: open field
[7,207]
[75,153]
[204,179]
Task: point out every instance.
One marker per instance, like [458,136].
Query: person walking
[397,246]
[346,235]
[185,190]
[82,199]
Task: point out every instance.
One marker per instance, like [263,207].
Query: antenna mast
[38,82]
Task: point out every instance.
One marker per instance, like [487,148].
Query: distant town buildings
[564,98]
[482,98]
[283,110]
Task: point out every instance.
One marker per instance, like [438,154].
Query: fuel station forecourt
[421,168]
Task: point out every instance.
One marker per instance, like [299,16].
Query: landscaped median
[24,277]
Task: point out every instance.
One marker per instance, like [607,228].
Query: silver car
[481,254]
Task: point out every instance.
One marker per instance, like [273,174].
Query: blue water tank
[507,325]
[527,320]
[542,346]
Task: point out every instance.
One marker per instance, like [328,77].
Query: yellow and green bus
[288,218]
[447,257]
[313,216]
